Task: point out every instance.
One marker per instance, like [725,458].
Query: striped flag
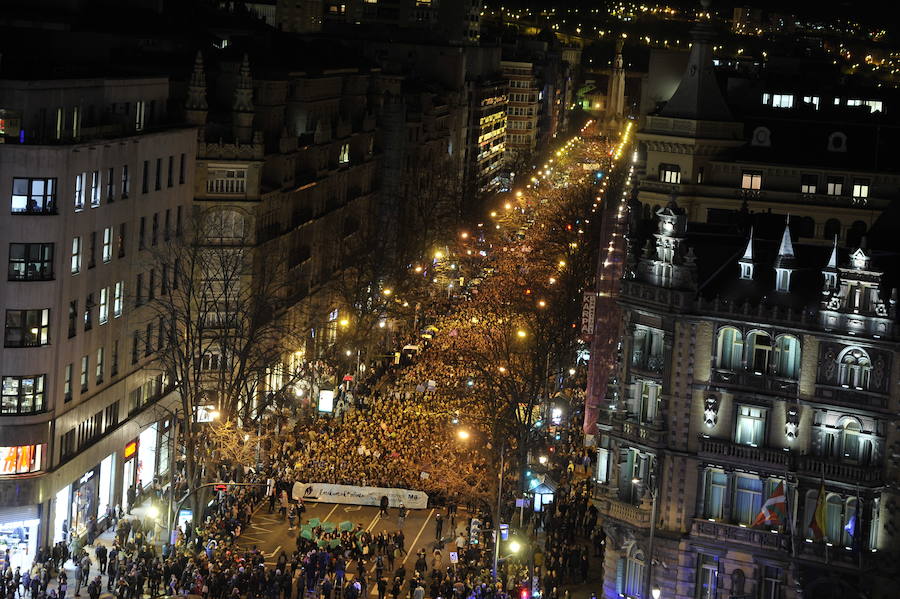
[774,510]
[817,522]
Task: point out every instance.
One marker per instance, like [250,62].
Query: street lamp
[515,546]
[656,592]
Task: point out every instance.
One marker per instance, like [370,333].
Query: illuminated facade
[487,134]
[96,175]
[522,109]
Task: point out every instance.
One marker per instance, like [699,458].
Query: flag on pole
[817,523]
[774,510]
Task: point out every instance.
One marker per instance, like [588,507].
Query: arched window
[832,228]
[787,356]
[225,225]
[854,367]
[851,526]
[634,572]
[805,227]
[759,346]
[834,523]
[875,524]
[851,441]
[812,497]
[730,349]
[748,496]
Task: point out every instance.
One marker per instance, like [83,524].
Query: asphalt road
[270,533]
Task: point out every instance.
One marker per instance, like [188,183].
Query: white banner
[327,493]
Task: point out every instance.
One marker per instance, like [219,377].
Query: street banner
[351,494]
[588,309]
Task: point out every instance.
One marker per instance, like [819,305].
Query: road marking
[416,540]
[274,553]
[374,521]
[352,508]
[331,512]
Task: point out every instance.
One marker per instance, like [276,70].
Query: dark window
[809,184]
[155,231]
[121,240]
[135,344]
[67,388]
[111,184]
[31,262]
[139,290]
[171,178]
[164,280]
[92,249]
[73,318]
[114,362]
[33,196]
[22,394]
[27,328]
[148,340]
[126,183]
[168,224]
[181,167]
[141,234]
[178,221]
[151,286]
[89,312]
[158,181]
[145,182]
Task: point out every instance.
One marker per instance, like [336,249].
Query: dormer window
[670,173]
[751,180]
[830,280]
[746,271]
[782,280]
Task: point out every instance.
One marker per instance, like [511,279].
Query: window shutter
[620,575]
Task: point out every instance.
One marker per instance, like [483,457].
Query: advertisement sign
[326,400]
[20,459]
[588,308]
[353,495]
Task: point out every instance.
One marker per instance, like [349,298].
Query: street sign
[504,532]
[454,557]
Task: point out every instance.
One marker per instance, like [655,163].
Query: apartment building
[755,372]
[820,154]
[522,110]
[94,175]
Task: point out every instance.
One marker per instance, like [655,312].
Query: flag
[817,522]
[850,528]
[774,510]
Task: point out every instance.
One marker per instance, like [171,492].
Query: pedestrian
[383,506]
[401,516]
[382,587]
[130,496]
[292,515]
[63,583]
[438,526]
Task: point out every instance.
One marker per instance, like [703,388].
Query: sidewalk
[107,538]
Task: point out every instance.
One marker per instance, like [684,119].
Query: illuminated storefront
[21,459]
[19,525]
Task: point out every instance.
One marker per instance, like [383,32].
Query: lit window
[787,356]
[760,345]
[118,299]
[751,180]
[854,367]
[139,111]
[716,486]
[834,186]
[809,183]
[649,401]
[30,262]
[104,305]
[33,196]
[730,349]
[95,189]
[751,426]
[854,102]
[875,105]
[860,188]
[76,255]
[747,499]
[107,244]
[766,98]
[27,328]
[782,101]
[22,394]
[708,577]
[670,173]
[21,459]
[79,190]
[814,100]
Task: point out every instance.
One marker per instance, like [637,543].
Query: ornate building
[751,366]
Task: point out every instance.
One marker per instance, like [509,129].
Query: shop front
[139,460]
[18,536]
[87,497]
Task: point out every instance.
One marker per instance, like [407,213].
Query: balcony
[729,533]
[845,395]
[840,471]
[627,513]
[764,456]
[835,556]
[756,381]
[640,432]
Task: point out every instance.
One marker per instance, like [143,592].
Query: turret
[195,107]
[242,106]
[746,261]
[785,262]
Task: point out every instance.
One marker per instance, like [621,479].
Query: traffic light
[524,593]
[474,531]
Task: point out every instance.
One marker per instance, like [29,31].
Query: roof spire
[748,253]
[786,258]
[243,90]
[698,96]
[833,259]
